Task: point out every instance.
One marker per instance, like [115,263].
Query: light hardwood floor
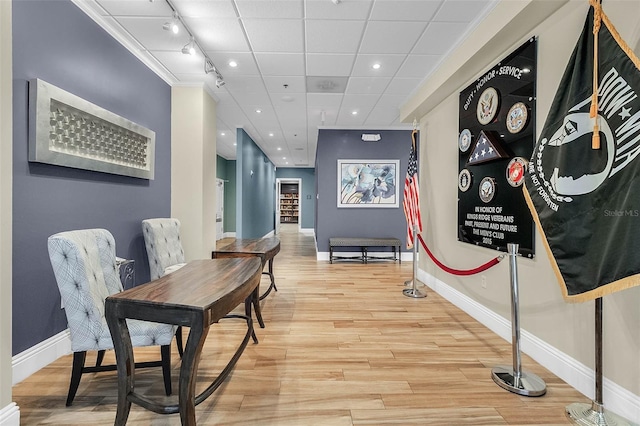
[342,346]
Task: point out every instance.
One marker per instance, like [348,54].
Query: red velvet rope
[445,268]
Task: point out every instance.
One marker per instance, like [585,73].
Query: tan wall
[193,168]
[543,312]
[6,144]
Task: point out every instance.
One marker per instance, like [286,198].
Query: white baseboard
[10,415]
[324,255]
[33,359]
[229,235]
[308,231]
[616,398]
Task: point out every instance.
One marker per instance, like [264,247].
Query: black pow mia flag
[586,202]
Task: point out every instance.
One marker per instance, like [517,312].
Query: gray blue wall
[255,191]
[307,192]
[56,42]
[357,222]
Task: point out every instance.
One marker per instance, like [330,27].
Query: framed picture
[368,183]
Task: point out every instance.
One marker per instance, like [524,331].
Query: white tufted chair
[165,253]
[164,248]
[84,264]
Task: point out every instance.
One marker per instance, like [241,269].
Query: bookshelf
[289,203]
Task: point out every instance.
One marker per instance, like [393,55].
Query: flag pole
[413,291]
[595,414]
[513,378]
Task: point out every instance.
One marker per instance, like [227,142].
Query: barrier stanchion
[513,378]
[413,291]
[595,414]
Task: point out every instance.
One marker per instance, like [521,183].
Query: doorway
[288,203]
[219,209]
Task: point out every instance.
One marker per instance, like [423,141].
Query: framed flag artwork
[495,140]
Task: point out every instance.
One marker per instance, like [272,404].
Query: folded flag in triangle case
[584,193]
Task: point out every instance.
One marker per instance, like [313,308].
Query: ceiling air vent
[326,84]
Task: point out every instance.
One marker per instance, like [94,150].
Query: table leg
[125,362]
[188,372]
[272,285]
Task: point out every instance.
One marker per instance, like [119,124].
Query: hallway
[341,346]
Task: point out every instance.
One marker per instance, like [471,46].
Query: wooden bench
[363,244]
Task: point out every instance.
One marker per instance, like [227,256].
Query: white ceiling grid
[278,44]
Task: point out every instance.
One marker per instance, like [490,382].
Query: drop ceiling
[300,64]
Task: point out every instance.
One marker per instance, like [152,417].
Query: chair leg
[165,354]
[247,311]
[100,358]
[76,373]
[179,340]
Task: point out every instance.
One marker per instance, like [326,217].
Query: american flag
[411,202]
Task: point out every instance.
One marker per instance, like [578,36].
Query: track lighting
[189,48]
[172,25]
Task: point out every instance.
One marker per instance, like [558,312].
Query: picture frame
[368,183]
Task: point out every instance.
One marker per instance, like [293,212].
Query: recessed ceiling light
[258,111]
[284,158]
[271,134]
[233,64]
[375,66]
[222,133]
[235,144]
[354,112]
[279,149]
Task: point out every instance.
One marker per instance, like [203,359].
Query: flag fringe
[621,284]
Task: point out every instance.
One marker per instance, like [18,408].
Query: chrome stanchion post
[513,378]
[413,291]
[595,414]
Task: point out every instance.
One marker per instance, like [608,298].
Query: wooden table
[197,295]
[264,248]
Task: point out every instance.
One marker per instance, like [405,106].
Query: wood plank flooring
[342,346]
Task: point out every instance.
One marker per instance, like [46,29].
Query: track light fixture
[189,48]
[172,25]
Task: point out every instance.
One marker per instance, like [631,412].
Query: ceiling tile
[367,85]
[386,111]
[273,9]
[135,7]
[253,98]
[391,37]
[219,34]
[205,8]
[246,65]
[275,35]
[403,86]
[281,63]
[362,104]
[326,100]
[324,36]
[276,84]
[418,66]
[321,64]
[439,38]
[325,9]
[404,10]
[244,84]
[149,32]
[389,65]
[462,10]
[179,63]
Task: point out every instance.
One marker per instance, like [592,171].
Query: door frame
[279,182]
